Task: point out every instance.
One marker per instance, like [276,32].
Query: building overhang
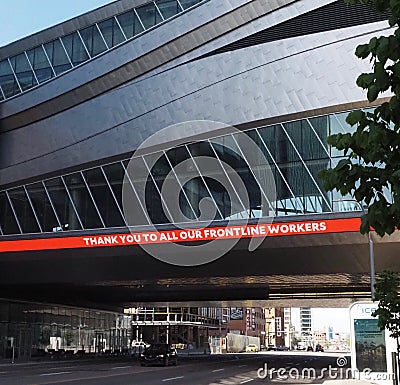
[311,267]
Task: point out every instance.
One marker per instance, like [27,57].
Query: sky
[20,18]
[338,318]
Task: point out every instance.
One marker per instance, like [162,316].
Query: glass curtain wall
[34,330]
[294,151]
[39,64]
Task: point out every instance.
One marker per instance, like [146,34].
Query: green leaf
[365,80]
[354,117]
[372,93]
[381,76]
[393,20]
[343,164]
[373,44]
[387,295]
[382,50]
[364,228]
[362,51]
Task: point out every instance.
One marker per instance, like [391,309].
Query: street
[195,370]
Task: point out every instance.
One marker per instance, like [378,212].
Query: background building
[306,331]
[247,321]
[183,327]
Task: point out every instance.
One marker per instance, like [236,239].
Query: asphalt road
[229,369]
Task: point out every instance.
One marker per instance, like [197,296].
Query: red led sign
[184,235]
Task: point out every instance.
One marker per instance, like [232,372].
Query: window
[57,56]
[82,201]
[111,32]
[93,41]
[130,24]
[168,8]
[8,82]
[42,206]
[104,198]
[7,219]
[23,210]
[149,15]
[23,71]
[188,3]
[40,64]
[62,204]
[75,48]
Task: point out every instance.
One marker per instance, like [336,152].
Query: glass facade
[39,64]
[92,199]
[33,330]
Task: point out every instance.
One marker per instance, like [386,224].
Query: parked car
[319,348]
[159,354]
[138,347]
[282,348]
[140,344]
[252,348]
[310,349]
[271,347]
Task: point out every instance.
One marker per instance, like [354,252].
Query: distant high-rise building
[305,324]
[288,326]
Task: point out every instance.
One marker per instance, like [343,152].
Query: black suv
[159,354]
[319,348]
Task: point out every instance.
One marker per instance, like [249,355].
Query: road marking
[250,379]
[172,378]
[218,370]
[103,376]
[241,366]
[121,367]
[54,374]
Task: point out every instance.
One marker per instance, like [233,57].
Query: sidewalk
[7,362]
[193,352]
[353,382]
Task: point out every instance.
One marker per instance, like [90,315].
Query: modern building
[182,326]
[32,330]
[330,333]
[106,120]
[305,323]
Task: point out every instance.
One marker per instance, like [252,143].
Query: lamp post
[371,257]
[371,264]
[370,251]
